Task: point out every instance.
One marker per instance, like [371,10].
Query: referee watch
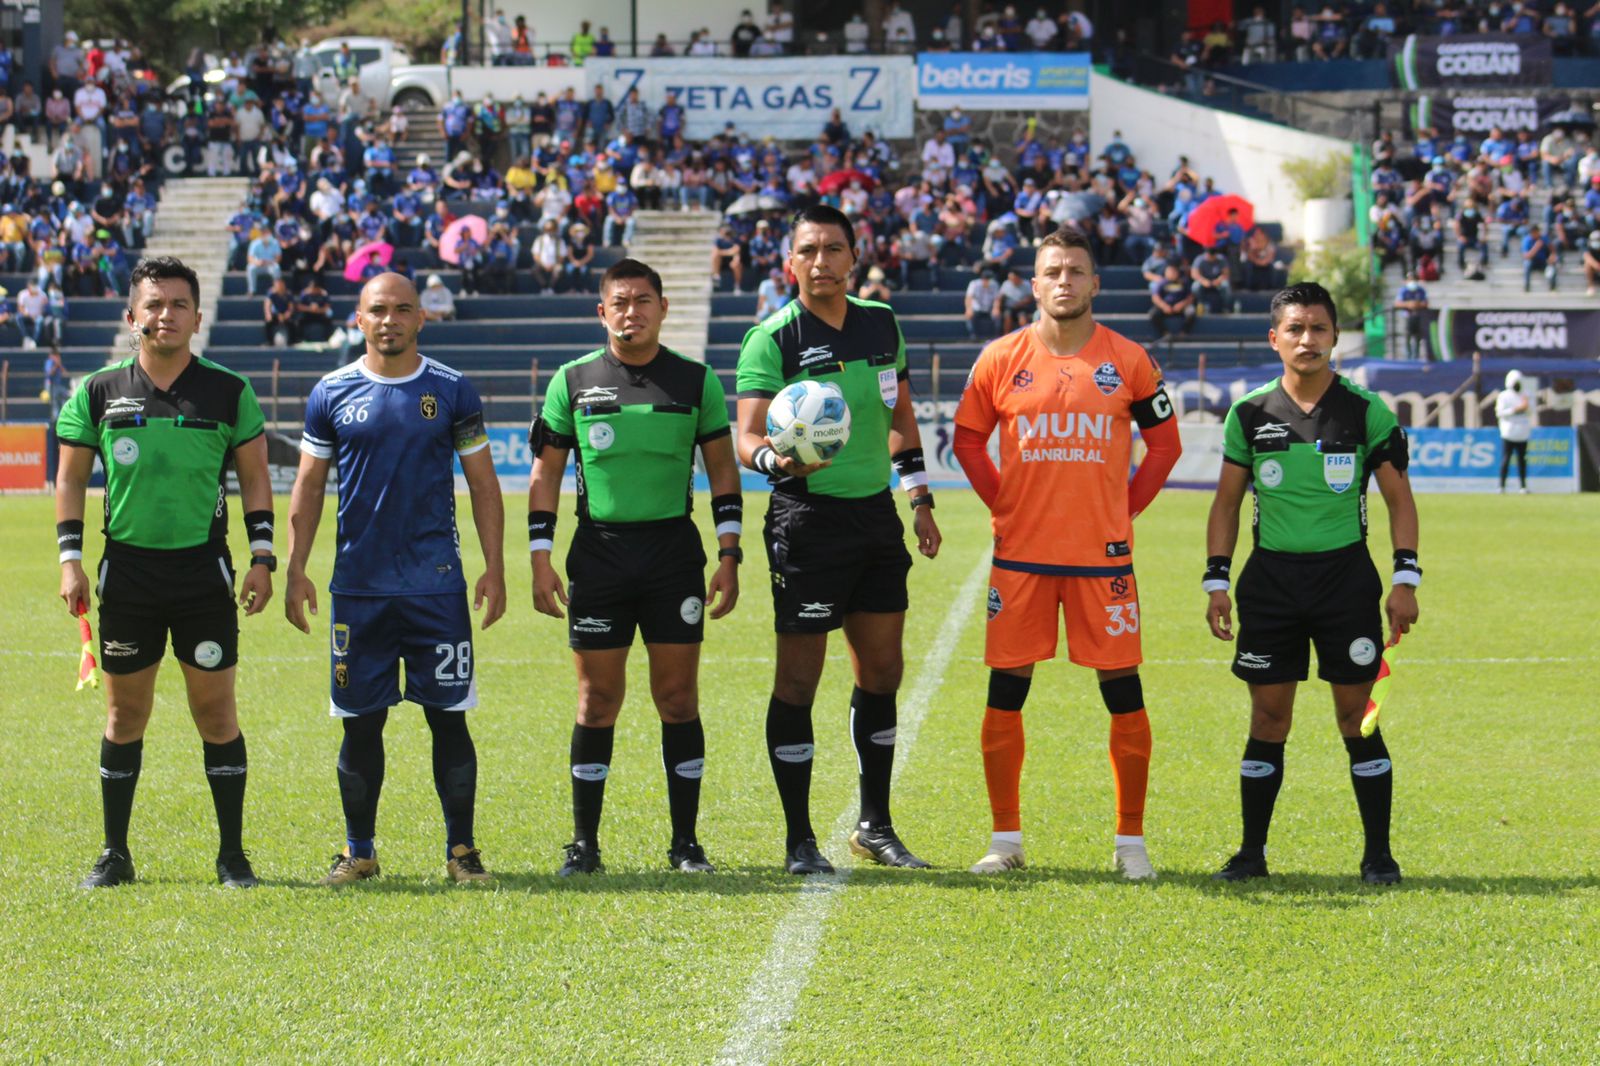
[735,553]
[268,561]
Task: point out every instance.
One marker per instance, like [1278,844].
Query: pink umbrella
[382,251]
[472,224]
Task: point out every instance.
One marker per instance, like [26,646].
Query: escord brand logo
[591,771]
[816,356]
[816,610]
[1253,768]
[592,625]
[114,648]
[1251,661]
[1270,431]
[793,752]
[596,394]
[125,405]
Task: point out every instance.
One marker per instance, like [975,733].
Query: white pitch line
[770,1000]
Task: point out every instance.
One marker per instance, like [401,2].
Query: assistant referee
[1306,444]
[635,412]
[166,424]
[835,546]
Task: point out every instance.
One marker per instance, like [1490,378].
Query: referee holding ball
[635,412]
[835,546]
[1305,445]
[166,424]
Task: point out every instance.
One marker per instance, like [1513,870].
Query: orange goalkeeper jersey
[1065,435]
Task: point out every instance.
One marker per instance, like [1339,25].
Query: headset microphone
[625,338]
[146,330]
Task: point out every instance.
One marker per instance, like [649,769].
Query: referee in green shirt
[1305,445]
[635,411]
[165,425]
[835,546]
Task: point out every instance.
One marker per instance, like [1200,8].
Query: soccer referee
[1305,444]
[835,547]
[165,424]
[635,411]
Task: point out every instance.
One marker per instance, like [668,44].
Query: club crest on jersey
[1106,378]
[1021,381]
[1339,471]
[995,605]
[430,406]
[888,386]
[341,674]
[341,638]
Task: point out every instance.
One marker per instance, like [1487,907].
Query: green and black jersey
[635,429]
[1309,469]
[165,451]
[866,359]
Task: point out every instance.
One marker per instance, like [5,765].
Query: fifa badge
[430,406]
[1339,470]
[889,386]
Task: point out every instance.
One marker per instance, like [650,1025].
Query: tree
[167,31]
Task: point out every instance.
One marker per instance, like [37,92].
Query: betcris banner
[1003,81]
[788,98]
[1468,460]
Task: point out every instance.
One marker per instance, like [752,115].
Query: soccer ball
[808,421]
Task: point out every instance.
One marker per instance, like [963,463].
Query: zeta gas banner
[1003,81]
[1467,60]
[22,457]
[1475,116]
[1457,332]
[788,98]
[1468,460]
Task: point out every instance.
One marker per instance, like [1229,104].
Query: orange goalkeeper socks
[1130,768]
[1003,748]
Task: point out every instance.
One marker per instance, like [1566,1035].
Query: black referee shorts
[649,576]
[830,557]
[1289,601]
[146,594]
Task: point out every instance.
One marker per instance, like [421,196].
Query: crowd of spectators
[1365,29]
[1469,192]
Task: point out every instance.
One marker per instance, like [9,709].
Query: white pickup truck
[388,74]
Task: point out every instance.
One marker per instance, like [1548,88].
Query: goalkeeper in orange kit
[1064,393]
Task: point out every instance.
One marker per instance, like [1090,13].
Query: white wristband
[541,546]
[261,546]
[69,556]
[1215,584]
[914,480]
[736,528]
[1406,577]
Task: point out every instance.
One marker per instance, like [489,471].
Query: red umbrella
[1203,220]
[841,178]
[382,251]
[472,224]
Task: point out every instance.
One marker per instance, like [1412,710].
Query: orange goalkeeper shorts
[1101,613]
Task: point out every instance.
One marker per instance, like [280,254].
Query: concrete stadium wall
[1243,155]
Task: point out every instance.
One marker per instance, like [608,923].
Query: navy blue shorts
[372,635]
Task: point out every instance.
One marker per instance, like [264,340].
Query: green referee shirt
[165,451]
[1309,469]
[635,429]
[866,359]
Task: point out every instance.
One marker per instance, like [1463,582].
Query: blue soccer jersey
[394,441]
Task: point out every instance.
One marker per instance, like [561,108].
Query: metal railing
[1232,93]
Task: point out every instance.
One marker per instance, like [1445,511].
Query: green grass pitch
[1487,952]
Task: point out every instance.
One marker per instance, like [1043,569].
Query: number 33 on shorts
[1122,618]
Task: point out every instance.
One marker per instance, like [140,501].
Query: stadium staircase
[678,245]
[1502,284]
[192,224]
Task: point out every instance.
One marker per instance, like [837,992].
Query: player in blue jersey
[395,422]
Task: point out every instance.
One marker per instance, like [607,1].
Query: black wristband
[1407,571]
[911,467]
[1218,568]
[258,524]
[727,512]
[541,531]
[924,500]
[69,539]
[765,461]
